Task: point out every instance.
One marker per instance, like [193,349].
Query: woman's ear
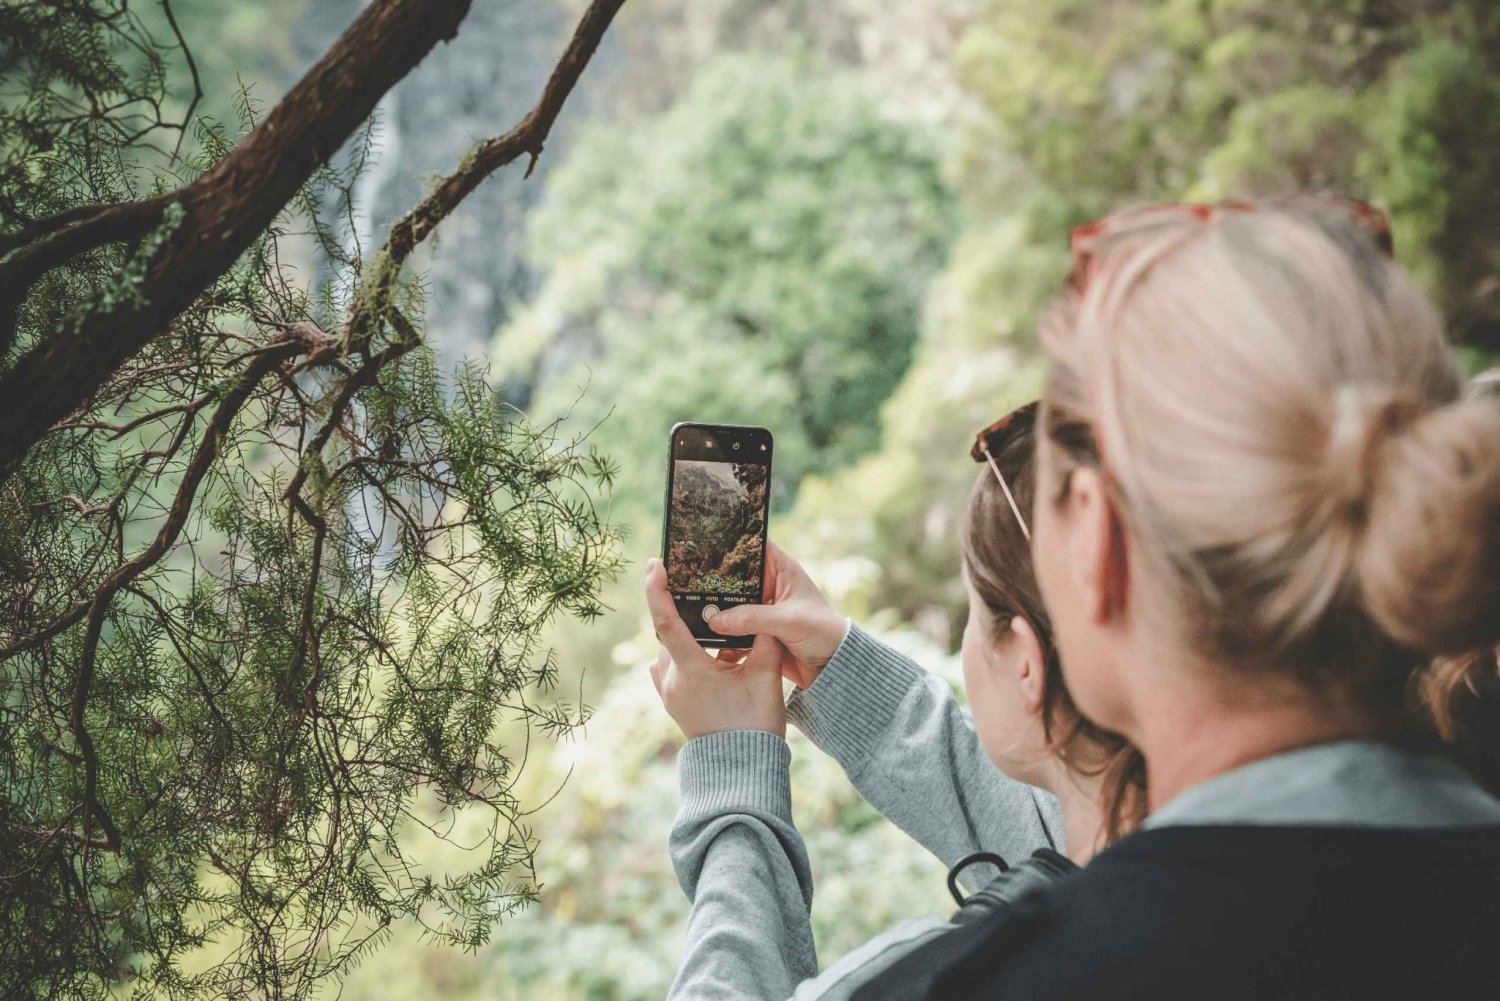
[1098,552]
[1031,673]
[1116,569]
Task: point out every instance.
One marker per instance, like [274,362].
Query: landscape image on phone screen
[716,541]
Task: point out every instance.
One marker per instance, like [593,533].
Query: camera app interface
[716,533]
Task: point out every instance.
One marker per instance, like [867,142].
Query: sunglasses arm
[1006,487]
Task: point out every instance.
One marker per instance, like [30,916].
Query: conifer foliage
[275,591]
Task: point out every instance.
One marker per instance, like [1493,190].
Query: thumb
[748,620]
[670,629]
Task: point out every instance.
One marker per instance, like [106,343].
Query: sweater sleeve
[911,751]
[745,869]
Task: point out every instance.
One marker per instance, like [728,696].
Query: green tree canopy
[757,254]
[1166,99]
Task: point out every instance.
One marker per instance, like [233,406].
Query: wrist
[776,728]
[735,771]
[832,634]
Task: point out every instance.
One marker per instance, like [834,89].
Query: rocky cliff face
[483,81]
[474,87]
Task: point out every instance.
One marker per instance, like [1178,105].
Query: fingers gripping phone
[714,536]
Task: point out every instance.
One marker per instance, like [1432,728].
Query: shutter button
[709,611]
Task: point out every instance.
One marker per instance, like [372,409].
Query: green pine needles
[276,599]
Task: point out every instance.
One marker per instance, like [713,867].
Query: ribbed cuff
[855,697]
[735,771]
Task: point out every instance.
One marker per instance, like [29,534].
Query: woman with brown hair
[1024,777]
[1030,726]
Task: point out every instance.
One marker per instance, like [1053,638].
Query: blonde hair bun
[1429,563]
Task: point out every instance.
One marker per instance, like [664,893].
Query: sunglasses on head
[993,440]
[1088,242]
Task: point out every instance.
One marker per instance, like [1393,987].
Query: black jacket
[1238,912]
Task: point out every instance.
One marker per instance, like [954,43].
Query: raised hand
[705,694]
[795,613]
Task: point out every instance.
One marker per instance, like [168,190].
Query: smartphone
[714,532]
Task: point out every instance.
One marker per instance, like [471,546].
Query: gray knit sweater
[908,748]
[911,752]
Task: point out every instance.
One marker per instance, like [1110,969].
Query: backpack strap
[1045,866]
[964,863]
[1006,908]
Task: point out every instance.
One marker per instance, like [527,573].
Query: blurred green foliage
[1128,102]
[758,254]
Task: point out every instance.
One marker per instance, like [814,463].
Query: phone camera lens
[736,446]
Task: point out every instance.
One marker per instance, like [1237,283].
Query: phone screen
[714,544]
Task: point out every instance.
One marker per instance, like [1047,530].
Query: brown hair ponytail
[998,560]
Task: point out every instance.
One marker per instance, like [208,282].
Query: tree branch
[182,503]
[38,228]
[528,136]
[62,238]
[223,213]
[293,340]
[187,55]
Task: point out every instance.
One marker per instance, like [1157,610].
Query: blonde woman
[1263,505]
